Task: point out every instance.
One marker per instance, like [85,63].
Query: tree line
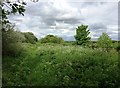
[12,39]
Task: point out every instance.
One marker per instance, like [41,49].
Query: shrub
[30,38]
[118,48]
[14,49]
[92,44]
[11,42]
[58,65]
[104,41]
[52,39]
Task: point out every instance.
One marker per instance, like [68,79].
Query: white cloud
[61,17]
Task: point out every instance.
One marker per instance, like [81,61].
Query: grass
[61,65]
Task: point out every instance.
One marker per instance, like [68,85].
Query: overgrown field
[61,65]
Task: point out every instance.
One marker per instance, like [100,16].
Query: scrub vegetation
[52,61]
[56,62]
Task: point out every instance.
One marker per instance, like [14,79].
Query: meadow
[49,61]
[62,65]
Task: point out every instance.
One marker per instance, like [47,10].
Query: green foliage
[82,35]
[52,39]
[118,48]
[55,65]
[11,42]
[10,39]
[58,65]
[8,7]
[13,8]
[104,41]
[116,45]
[92,45]
[30,38]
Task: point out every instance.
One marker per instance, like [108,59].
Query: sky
[61,18]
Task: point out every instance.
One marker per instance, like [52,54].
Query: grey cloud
[96,35]
[90,3]
[98,26]
[70,21]
[41,17]
[68,38]
[93,3]
[50,20]
[52,15]
[110,32]
[114,37]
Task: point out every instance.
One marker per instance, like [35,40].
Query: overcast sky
[61,17]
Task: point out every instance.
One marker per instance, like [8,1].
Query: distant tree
[82,35]
[104,41]
[30,37]
[51,39]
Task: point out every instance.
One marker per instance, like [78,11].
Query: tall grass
[59,65]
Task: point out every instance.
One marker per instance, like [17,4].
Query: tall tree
[82,35]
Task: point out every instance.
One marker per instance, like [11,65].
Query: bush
[11,42]
[104,42]
[118,48]
[51,39]
[92,44]
[14,49]
[58,65]
[30,38]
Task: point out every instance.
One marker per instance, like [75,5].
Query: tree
[82,35]
[11,42]
[52,39]
[30,38]
[11,39]
[13,7]
[104,41]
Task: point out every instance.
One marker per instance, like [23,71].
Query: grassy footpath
[58,65]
